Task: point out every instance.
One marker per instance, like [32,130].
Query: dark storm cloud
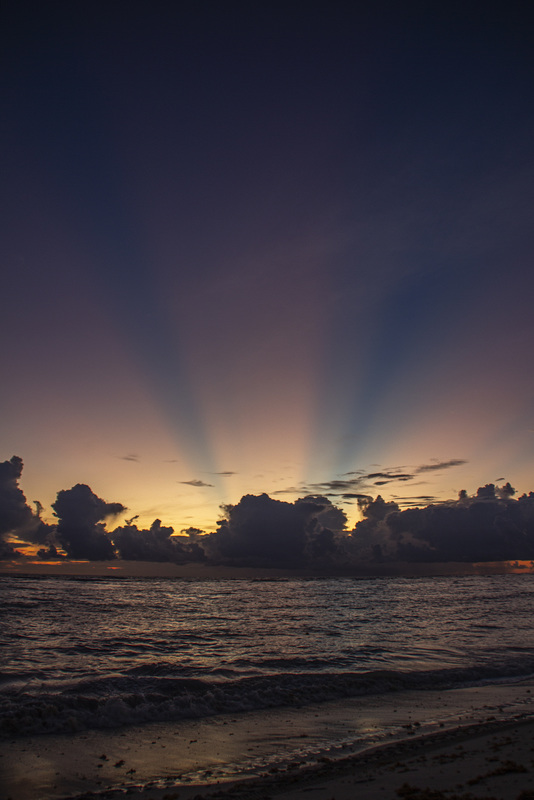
[80,530]
[260,531]
[197,482]
[155,544]
[490,526]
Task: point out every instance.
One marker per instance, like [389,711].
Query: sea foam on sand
[474,742]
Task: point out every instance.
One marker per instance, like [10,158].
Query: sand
[466,743]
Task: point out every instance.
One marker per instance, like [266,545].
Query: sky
[266,248]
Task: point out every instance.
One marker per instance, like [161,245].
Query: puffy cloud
[486,492]
[80,530]
[16,516]
[377,509]
[260,531]
[505,491]
[14,510]
[490,526]
[156,544]
[370,540]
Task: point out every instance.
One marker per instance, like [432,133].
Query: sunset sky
[266,248]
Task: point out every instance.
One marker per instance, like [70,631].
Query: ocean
[98,653]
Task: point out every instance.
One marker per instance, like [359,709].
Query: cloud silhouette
[14,510]
[390,476]
[197,482]
[454,462]
[364,481]
[80,530]
[51,554]
[155,544]
[491,526]
[261,531]
[16,516]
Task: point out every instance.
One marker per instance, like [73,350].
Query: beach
[334,688]
[472,742]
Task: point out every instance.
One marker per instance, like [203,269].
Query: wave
[135,699]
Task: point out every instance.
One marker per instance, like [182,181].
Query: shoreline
[325,749]
[487,761]
[387,766]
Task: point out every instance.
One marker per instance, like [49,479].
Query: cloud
[225,474]
[14,510]
[416,500]
[50,554]
[505,491]
[261,531]
[130,457]
[363,481]
[197,482]
[490,526]
[391,475]
[155,544]
[16,517]
[454,462]
[80,530]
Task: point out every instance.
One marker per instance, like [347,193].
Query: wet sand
[476,742]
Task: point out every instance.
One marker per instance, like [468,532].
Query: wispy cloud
[130,457]
[454,462]
[363,483]
[197,482]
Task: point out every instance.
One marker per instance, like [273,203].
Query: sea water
[81,654]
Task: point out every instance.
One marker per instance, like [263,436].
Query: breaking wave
[152,697]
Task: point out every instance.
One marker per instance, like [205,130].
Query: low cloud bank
[490,526]
[260,531]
